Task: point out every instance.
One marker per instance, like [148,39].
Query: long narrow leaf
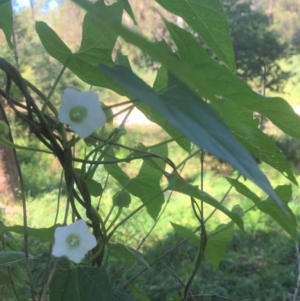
[195,119]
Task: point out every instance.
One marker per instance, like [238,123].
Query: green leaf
[124,252]
[270,207]
[177,183]
[41,233]
[149,178]
[6,21]
[187,233]
[204,80]
[161,80]
[160,83]
[245,128]
[138,295]
[157,118]
[196,120]
[215,80]
[244,190]
[114,170]
[130,255]
[81,284]
[122,198]
[208,19]
[215,249]
[95,188]
[122,60]
[57,49]
[129,11]
[209,79]
[98,41]
[8,258]
[52,43]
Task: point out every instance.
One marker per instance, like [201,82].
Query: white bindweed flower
[73,241]
[82,111]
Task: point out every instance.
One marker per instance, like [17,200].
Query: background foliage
[260,261]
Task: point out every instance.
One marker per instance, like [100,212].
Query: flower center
[78,114]
[73,240]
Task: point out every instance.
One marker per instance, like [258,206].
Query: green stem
[106,240]
[15,146]
[135,211]
[188,158]
[109,214]
[46,103]
[115,219]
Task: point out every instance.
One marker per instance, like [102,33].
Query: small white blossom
[82,111]
[73,241]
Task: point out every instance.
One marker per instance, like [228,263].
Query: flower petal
[72,97]
[95,117]
[59,249]
[89,242]
[62,246]
[76,255]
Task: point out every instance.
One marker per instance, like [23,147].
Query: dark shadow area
[259,266]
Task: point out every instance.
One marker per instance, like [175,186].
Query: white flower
[82,111]
[73,241]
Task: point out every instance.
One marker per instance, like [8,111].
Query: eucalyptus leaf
[156,117]
[195,119]
[210,80]
[208,19]
[81,284]
[160,83]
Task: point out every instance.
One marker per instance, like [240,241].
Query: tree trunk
[270,11]
[9,175]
